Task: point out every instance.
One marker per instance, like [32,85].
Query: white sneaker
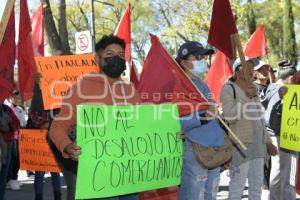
[13,184]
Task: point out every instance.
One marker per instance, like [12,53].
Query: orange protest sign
[59,73]
[34,151]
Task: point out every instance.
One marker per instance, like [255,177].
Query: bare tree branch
[62,27]
[51,31]
[169,22]
[86,20]
[74,24]
[105,3]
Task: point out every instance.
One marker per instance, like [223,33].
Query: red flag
[222,27]
[7,55]
[26,63]
[257,44]
[133,76]
[298,177]
[218,74]
[124,31]
[162,81]
[37,24]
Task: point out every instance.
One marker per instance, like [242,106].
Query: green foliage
[251,18]
[175,21]
[289,32]
[267,13]
[107,16]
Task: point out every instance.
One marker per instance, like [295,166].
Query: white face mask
[199,67]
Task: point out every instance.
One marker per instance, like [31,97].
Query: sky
[32,4]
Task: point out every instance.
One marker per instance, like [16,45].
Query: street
[27,189]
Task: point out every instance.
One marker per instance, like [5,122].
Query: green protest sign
[290,122]
[127,149]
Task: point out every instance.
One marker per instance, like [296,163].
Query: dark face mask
[114,66]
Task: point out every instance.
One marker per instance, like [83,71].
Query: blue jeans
[4,171]
[283,173]
[254,171]
[39,182]
[197,183]
[14,165]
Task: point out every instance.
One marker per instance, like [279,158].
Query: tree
[58,40]
[173,21]
[251,18]
[267,13]
[107,16]
[289,33]
[181,21]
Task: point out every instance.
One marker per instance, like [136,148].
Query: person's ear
[239,72]
[97,59]
[184,63]
[255,74]
[290,80]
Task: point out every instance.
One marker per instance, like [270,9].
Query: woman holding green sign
[105,88]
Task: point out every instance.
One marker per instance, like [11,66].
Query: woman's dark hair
[296,78]
[107,40]
[285,69]
[178,62]
[285,72]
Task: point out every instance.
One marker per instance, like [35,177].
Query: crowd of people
[251,105]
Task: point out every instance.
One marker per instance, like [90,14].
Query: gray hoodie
[273,105]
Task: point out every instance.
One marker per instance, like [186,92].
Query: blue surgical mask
[199,67]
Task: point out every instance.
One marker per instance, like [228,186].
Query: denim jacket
[208,134]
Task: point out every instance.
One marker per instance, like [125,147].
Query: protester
[262,77]
[9,124]
[38,119]
[273,76]
[15,103]
[284,165]
[110,55]
[198,182]
[243,111]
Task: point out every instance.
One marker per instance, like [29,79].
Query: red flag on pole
[298,177]
[7,55]
[257,44]
[222,27]
[26,62]
[162,81]
[37,24]
[133,76]
[124,31]
[218,74]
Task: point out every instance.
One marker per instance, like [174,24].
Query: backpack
[275,117]
[5,119]
[211,158]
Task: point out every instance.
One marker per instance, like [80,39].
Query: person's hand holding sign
[73,150]
[282,91]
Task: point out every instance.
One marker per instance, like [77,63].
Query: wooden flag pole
[237,43]
[268,60]
[5,18]
[270,71]
[231,133]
